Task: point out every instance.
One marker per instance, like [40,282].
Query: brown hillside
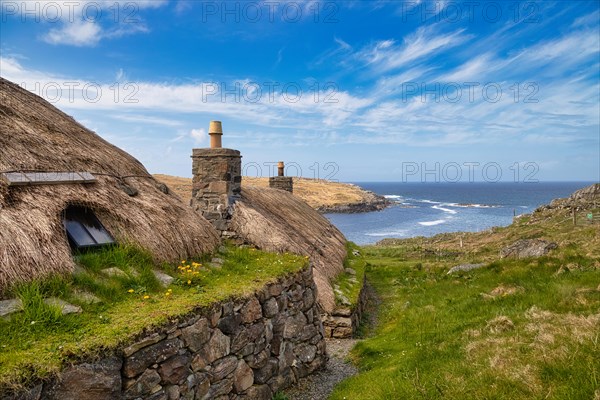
[324,196]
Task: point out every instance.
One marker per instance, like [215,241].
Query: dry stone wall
[248,348]
[343,322]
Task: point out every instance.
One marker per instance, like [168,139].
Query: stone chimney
[215,130]
[217,180]
[280,181]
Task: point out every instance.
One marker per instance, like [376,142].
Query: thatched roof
[35,136]
[276,220]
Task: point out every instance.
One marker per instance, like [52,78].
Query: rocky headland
[324,196]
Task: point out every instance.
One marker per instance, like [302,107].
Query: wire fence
[585,217]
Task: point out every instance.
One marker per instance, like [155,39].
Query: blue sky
[350,90]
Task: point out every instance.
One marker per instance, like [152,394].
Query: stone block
[294,325]
[175,369]
[195,336]
[262,375]
[156,353]
[257,392]
[143,385]
[243,378]
[251,311]
[223,368]
[147,341]
[217,347]
[98,381]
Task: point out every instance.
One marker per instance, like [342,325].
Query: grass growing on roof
[40,341]
[350,284]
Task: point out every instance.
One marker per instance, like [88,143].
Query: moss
[350,284]
[35,347]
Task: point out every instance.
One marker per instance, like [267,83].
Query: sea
[426,209]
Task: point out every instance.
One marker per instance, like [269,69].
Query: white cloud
[317,110]
[78,33]
[85,22]
[473,70]
[147,119]
[199,135]
[567,103]
[387,55]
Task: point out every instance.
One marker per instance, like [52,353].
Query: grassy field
[514,329]
[37,342]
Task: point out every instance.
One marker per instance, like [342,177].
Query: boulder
[163,278]
[8,307]
[465,267]
[114,271]
[65,308]
[528,248]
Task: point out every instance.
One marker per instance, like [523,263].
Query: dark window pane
[78,234]
[84,229]
[100,235]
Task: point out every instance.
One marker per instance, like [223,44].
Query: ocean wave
[449,211]
[430,201]
[392,196]
[432,223]
[471,205]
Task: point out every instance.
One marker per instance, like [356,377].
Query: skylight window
[84,230]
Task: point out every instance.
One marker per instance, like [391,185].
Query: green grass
[349,284]
[39,341]
[515,329]
[280,396]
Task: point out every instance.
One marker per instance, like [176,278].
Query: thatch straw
[34,135]
[275,220]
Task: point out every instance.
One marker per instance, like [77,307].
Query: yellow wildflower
[146,297]
[189,282]
[130,291]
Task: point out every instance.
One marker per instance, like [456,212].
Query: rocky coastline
[376,204]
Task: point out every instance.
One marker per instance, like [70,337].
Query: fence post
[574,216]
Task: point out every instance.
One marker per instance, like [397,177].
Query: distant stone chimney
[217,180]
[280,181]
